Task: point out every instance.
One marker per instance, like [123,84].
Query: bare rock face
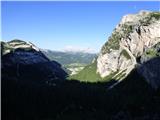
[131,38]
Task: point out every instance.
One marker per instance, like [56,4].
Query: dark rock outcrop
[24,61]
[150,66]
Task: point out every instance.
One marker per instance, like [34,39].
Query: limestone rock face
[131,38]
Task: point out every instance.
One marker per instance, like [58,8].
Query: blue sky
[66,25]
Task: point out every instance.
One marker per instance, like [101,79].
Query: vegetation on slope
[150,53]
[114,39]
[154,51]
[148,20]
[89,74]
[112,43]
[36,97]
[125,54]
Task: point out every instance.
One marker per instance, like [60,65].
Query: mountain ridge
[131,39]
[19,58]
[72,61]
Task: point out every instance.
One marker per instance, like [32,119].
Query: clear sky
[66,25]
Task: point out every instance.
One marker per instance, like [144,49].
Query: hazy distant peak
[76,49]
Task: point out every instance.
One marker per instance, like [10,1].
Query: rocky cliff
[132,37]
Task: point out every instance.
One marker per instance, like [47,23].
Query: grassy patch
[155,15]
[110,77]
[151,53]
[89,74]
[125,54]
[119,75]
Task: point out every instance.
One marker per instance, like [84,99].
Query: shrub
[147,20]
[125,54]
[112,43]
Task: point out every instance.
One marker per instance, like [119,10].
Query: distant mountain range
[66,58]
[73,61]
